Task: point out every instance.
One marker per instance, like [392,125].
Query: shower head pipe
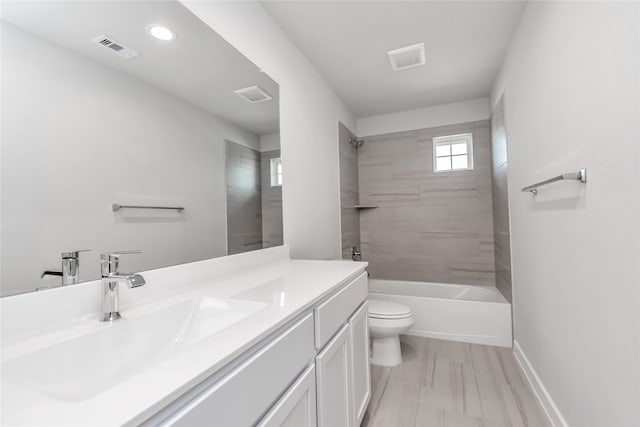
[357,143]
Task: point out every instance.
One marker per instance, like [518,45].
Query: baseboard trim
[551,410]
[494,340]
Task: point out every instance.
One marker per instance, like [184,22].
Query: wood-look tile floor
[446,383]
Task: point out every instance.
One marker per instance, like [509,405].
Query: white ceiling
[347,41]
[199,67]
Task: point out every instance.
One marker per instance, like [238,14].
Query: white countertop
[287,287]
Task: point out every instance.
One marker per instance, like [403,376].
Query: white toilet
[387,320]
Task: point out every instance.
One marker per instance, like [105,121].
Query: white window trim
[448,139]
[271,172]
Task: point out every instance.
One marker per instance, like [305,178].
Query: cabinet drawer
[297,408]
[334,312]
[240,398]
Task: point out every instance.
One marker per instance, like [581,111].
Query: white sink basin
[84,366]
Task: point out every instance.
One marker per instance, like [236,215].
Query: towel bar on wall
[117,207]
[580,175]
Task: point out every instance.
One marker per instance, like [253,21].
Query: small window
[276,172]
[453,153]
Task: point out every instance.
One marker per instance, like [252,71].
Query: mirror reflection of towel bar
[117,207]
[580,175]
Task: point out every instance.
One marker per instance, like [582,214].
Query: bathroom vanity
[250,339]
[193,171]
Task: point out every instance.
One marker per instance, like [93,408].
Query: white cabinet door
[297,408]
[359,335]
[334,378]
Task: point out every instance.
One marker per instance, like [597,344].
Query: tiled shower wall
[501,234]
[271,203]
[244,200]
[350,223]
[432,227]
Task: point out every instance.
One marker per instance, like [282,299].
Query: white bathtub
[474,314]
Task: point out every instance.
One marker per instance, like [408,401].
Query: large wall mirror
[129,125]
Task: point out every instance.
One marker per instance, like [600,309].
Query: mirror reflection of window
[276,172]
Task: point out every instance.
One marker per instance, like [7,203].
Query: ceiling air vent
[115,47]
[253,94]
[407,57]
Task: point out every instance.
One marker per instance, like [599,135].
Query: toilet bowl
[387,320]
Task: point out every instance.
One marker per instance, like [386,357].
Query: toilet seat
[379,309]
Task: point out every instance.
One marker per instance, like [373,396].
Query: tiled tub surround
[349,218]
[428,227]
[499,169]
[271,202]
[42,319]
[244,199]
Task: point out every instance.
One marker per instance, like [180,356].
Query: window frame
[275,174]
[452,139]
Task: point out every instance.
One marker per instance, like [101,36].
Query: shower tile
[378,170]
[381,213]
[349,192]
[244,195]
[447,216]
[501,203]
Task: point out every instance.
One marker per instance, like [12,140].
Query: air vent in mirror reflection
[115,47]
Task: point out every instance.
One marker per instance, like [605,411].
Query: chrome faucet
[70,271]
[356,255]
[111,278]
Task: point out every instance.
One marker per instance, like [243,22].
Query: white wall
[77,137]
[423,118]
[309,114]
[270,142]
[571,98]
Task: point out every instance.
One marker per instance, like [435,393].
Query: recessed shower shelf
[360,207]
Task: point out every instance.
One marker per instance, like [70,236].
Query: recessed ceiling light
[160,32]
